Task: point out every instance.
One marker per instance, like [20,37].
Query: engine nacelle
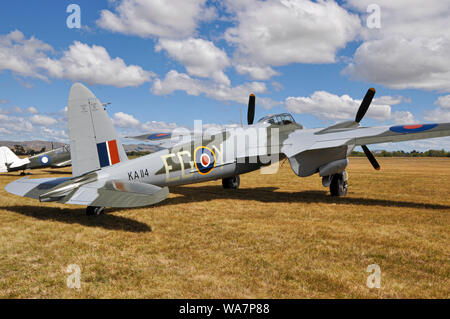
[335,167]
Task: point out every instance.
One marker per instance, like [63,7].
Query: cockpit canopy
[278,119]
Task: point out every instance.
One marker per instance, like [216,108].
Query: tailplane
[94,142]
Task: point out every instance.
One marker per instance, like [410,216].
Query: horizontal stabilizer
[89,191]
[33,188]
[118,194]
[62,164]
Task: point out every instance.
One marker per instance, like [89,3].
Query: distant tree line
[20,150]
[414,153]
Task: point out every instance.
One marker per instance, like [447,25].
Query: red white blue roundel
[412,128]
[205,160]
[44,160]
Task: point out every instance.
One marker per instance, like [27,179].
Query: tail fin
[94,142]
[10,160]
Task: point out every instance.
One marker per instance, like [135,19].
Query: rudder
[94,142]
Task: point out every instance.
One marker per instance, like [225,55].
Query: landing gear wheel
[94,211]
[338,186]
[231,183]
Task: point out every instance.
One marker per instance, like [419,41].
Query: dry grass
[278,236]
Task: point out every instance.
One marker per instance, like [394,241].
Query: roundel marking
[157,136]
[44,160]
[412,128]
[205,160]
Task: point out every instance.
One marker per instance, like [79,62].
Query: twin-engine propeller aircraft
[103,176]
[57,158]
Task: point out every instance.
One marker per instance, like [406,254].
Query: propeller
[371,157]
[359,116]
[251,109]
[365,105]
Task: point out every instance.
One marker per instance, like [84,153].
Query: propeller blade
[370,157]
[365,105]
[251,109]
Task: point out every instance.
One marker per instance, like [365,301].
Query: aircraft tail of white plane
[94,142]
[10,160]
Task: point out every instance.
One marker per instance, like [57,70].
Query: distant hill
[39,145]
[32,145]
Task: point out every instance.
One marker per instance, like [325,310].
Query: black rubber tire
[338,186]
[231,182]
[94,211]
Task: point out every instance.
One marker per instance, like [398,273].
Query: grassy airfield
[279,236]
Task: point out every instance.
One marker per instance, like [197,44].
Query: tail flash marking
[113,152]
[108,153]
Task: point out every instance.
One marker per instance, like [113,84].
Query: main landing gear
[339,186]
[337,183]
[94,211]
[231,182]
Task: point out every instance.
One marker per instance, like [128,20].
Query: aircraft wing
[170,139]
[164,140]
[112,193]
[299,141]
[309,151]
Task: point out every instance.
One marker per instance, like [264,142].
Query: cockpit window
[287,119]
[278,119]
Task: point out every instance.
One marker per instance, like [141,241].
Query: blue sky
[164,64]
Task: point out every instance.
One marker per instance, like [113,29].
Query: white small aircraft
[57,158]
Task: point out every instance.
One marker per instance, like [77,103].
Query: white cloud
[255,71]
[402,63]
[42,120]
[57,135]
[125,120]
[155,126]
[200,57]
[443,101]
[23,126]
[32,110]
[437,115]
[391,100]
[160,18]
[3,101]
[15,126]
[410,50]
[290,31]
[23,56]
[441,113]
[330,106]
[17,109]
[175,81]
[403,117]
[93,65]
[81,62]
